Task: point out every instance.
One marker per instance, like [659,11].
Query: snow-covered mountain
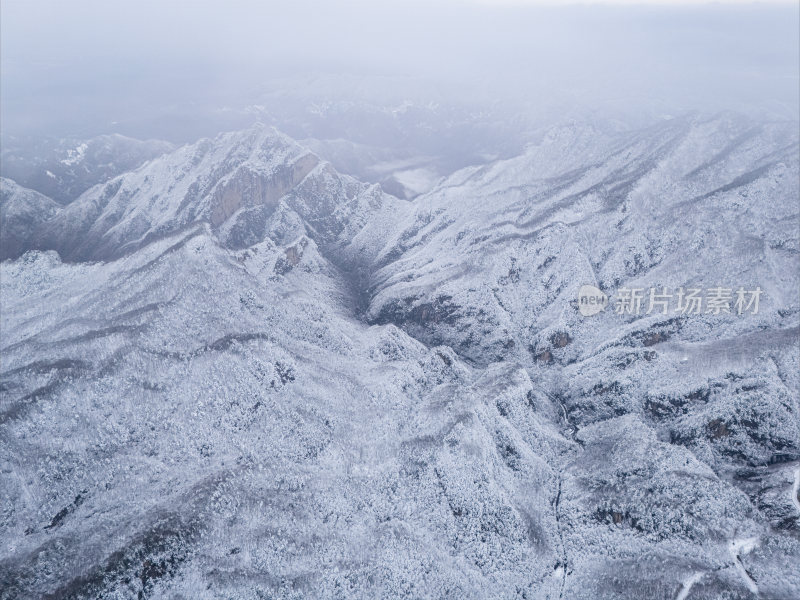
[22,213]
[63,168]
[236,373]
[247,185]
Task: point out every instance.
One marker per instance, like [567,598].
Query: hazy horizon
[87,68]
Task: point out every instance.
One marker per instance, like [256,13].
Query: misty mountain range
[233,370]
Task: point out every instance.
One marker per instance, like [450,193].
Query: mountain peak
[243,183]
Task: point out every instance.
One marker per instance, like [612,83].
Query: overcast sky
[85,58]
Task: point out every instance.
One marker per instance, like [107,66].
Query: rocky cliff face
[272,380]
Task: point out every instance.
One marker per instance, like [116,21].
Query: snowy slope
[490,263]
[241,435]
[22,214]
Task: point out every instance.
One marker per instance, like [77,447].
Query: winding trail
[737,548]
[561,569]
[687,584]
